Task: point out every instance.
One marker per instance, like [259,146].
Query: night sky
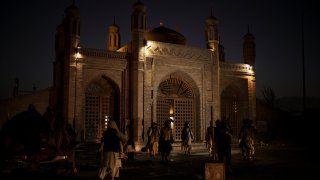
[28,29]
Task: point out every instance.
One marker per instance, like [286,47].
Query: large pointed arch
[178,97]
[101,104]
[231,109]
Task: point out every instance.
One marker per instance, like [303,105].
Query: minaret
[212,41]
[138,29]
[249,56]
[221,51]
[113,37]
[72,26]
[249,49]
[212,32]
[67,41]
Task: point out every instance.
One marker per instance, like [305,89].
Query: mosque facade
[153,78]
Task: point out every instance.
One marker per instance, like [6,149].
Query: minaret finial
[73,2]
[211,15]
[114,19]
[248,29]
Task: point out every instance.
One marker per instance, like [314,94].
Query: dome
[72,10]
[167,35]
[139,5]
[248,36]
[113,27]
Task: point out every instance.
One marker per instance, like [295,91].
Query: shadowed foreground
[272,162]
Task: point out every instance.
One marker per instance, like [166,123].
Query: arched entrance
[101,104]
[176,100]
[230,108]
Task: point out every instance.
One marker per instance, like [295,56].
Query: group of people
[160,140]
[41,137]
[218,138]
[113,145]
[218,141]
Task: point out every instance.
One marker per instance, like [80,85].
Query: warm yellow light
[149,43]
[250,69]
[77,54]
[138,147]
[171,122]
[148,47]
[171,110]
[106,121]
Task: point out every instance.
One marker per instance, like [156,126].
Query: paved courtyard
[272,162]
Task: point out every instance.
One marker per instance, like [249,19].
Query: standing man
[246,139]
[130,146]
[112,141]
[224,149]
[217,140]
[154,139]
[210,143]
[186,137]
[165,141]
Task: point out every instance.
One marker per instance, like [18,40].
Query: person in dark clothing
[165,141]
[153,140]
[130,146]
[217,139]
[226,139]
[186,137]
[112,145]
[246,139]
[71,146]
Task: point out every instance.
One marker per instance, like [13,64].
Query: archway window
[230,109]
[176,100]
[174,87]
[99,103]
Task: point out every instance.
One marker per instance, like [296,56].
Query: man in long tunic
[210,143]
[246,139]
[186,137]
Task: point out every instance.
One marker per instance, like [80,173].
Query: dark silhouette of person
[112,145]
[165,141]
[154,134]
[217,140]
[186,137]
[130,145]
[210,142]
[25,130]
[71,146]
[223,134]
[148,145]
[246,139]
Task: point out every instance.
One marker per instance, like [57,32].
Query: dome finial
[161,23]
